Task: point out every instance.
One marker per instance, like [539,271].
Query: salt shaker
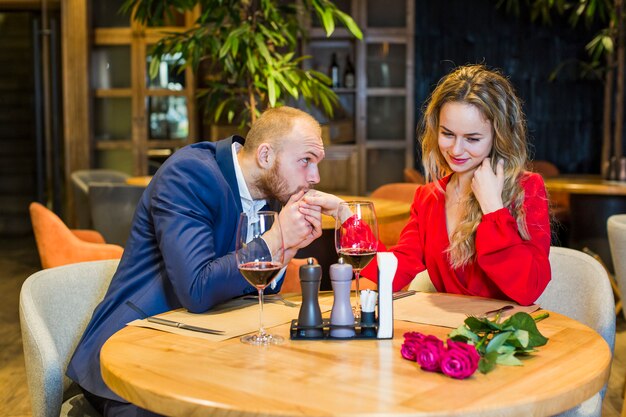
[341,314]
[310,313]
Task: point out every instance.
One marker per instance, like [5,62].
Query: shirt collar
[247,203]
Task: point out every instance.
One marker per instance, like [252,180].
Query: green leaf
[155,64]
[522,337]
[462,333]
[271,91]
[481,325]
[524,321]
[350,24]
[506,349]
[328,21]
[497,341]
[508,359]
[487,362]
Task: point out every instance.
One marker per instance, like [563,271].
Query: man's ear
[265,155]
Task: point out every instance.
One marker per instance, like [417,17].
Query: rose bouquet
[479,343]
[458,359]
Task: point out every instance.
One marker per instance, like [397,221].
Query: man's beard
[273,186]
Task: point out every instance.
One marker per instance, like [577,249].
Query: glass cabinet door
[110,66]
[386,65]
[106,14]
[386,14]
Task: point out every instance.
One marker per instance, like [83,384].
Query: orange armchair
[389,233]
[58,245]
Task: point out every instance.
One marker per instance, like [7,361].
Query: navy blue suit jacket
[180,252]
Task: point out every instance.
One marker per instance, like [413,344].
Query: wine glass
[356,238]
[259,264]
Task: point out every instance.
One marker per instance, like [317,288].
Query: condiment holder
[341,324]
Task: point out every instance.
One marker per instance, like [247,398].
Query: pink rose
[412,341]
[460,360]
[428,355]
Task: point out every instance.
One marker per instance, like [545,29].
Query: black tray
[361,331]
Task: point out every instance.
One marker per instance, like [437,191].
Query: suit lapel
[224,157]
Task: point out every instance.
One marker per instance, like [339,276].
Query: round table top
[585,184]
[387,211]
[142,181]
[180,376]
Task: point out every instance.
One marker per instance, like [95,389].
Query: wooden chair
[389,233]
[413,175]
[291,281]
[559,201]
[58,245]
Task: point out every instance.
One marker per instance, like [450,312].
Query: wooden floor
[18,259]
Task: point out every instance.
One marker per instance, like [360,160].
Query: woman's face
[465,137]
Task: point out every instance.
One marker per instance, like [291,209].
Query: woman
[480,226]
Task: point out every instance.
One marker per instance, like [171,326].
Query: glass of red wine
[258,262]
[356,238]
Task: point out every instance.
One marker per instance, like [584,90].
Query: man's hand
[328,203]
[487,186]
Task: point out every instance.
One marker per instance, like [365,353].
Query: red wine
[259,274]
[357,257]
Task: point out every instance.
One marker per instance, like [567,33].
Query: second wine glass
[258,262]
[356,238]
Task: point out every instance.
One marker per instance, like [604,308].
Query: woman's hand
[327,202]
[487,186]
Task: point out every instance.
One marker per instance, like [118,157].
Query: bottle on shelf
[348,74]
[334,71]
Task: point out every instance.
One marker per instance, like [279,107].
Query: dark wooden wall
[17,124]
[564,116]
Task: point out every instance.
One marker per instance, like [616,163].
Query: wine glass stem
[357,295]
[261,329]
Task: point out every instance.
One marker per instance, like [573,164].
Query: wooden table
[387,211]
[182,376]
[323,249]
[141,180]
[592,201]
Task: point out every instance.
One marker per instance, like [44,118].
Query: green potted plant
[249,48]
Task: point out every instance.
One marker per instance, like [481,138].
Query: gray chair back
[112,209]
[616,227]
[81,180]
[55,306]
[580,289]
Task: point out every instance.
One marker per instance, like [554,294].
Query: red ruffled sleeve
[519,268]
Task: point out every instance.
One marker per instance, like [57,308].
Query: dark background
[564,115]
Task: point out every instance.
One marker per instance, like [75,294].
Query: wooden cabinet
[136,121]
[371,137]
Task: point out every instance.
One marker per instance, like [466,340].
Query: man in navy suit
[180,252]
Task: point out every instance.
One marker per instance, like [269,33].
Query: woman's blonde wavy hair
[497,101]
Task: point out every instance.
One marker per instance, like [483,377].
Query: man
[180,252]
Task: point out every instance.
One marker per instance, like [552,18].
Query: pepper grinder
[341,314]
[310,313]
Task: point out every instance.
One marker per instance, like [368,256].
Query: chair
[55,307]
[81,180]
[389,233]
[616,227]
[112,207]
[559,201]
[291,281]
[57,245]
[580,289]
[413,175]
